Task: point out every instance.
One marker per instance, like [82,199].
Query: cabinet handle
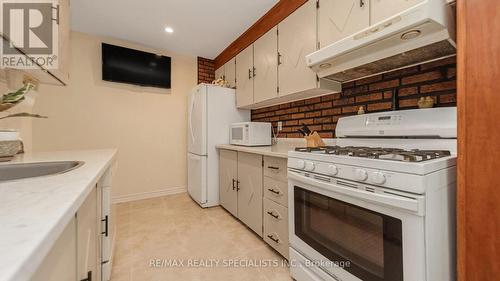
[361,3]
[237,185]
[58,13]
[277,192]
[272,238]
[279,59]
[273,168]
[254,71]
[249,73]
[105,226]
[234,181]
[89,277]
[273,215]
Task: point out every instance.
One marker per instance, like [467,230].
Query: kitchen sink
[29,170]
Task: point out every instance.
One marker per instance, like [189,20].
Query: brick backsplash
[206,70]
[398,89]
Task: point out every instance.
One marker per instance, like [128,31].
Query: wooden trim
[461,167]
[274,16]
[478,197]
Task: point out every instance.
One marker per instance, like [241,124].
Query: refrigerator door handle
[191,118]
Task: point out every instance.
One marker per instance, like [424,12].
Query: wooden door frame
[478,101]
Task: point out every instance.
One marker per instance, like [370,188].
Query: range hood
[422,33]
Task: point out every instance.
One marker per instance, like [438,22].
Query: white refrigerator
[211,109]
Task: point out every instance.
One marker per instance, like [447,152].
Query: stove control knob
[361,174]
[299,164]
[332,170]
[378,178]
[309,166]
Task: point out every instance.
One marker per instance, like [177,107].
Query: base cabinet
[228,174]
[276,226]
[60,263]
[249,187]
[241,187]
[82,251]
[254,189]
[87,238]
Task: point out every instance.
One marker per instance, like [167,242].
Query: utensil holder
[314,140]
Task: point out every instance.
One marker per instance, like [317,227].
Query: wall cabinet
[265,71]
[60,75]
[64,33]
[230,72]
[273,69]
[296,39]
[279,72]
[227,72]
[244,77]
[338,19]
[383,9]
[219,73]
[241,187]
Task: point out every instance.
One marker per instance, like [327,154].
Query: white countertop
[35,211]
[278,150]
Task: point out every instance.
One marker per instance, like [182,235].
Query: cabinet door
[60,262]
[87,248]
[296,39]
[64,45]
[244,78]
[250,190]
[266,66]
[338,19]
[228,174]
[383,9]
[219,73]
[230,72]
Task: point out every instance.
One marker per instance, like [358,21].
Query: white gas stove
[379,204]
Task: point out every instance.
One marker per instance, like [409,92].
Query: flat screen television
[130,66]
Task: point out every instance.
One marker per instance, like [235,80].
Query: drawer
[276,191]
[276,226]
[275,168]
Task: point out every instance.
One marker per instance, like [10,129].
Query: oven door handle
[392,200]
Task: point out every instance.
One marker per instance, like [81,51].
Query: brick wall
[399,89]
[206,70]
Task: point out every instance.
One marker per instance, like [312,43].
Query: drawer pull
[273,168]
[277,192]
[270,236]
[271,213]
[234,186]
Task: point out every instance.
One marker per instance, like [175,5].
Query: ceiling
[201,27]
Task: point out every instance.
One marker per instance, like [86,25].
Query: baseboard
[147,195]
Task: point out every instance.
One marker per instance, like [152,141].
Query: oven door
[356,232]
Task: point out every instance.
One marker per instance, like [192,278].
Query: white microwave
[250,133]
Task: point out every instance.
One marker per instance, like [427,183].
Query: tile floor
[174,229]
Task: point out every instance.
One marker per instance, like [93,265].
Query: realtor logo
[30,31]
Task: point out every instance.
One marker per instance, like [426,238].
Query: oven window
[237,133]
[368,243]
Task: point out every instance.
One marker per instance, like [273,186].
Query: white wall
[147,126]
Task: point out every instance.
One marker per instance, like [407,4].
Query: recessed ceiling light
[168,29]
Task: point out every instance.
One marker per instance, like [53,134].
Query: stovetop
[395,154]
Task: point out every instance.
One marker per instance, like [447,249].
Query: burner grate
[395,154]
